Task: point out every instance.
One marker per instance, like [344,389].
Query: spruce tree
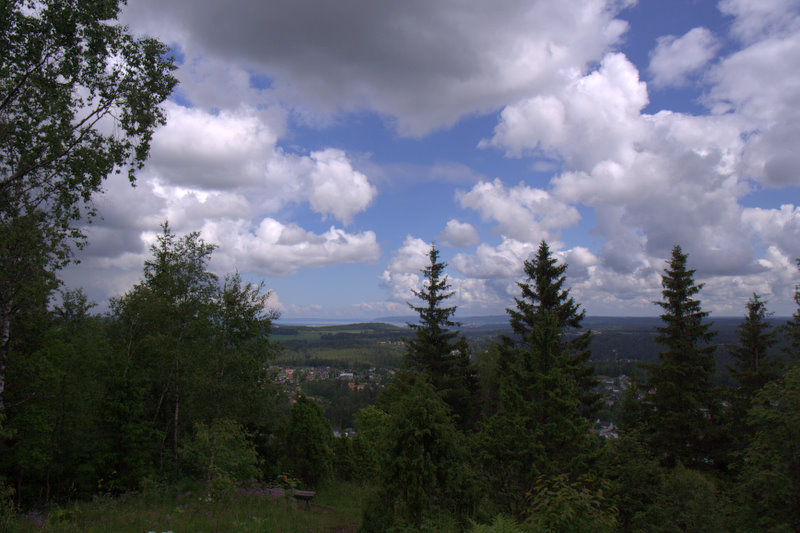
[437,351]
[793,325]
[540,427]
[753,365]
[543,300]
[682,404]
[424,471]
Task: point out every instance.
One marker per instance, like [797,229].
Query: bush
[500,524]
[558,504]
[221,452]
[685,501]
[8,510]
[309,442]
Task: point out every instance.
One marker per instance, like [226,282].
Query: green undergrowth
[337,506]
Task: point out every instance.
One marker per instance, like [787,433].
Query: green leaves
[424,470]
[79,100]
[771,472]
[309,442]
[222,449]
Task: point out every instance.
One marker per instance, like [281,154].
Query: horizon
[396,320]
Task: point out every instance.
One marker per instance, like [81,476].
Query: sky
[324,146]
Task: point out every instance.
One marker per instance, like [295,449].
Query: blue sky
[324,145]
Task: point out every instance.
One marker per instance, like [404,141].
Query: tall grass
[253,509]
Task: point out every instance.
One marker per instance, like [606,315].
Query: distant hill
[619,343]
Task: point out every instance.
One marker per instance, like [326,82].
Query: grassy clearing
[242,510]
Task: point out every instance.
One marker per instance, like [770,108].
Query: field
[352,346]
[337,507]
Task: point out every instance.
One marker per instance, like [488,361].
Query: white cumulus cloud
[213,151]
[337,188]
[274,248]
[521,212]
[675,58]
[591,119]
[460,234]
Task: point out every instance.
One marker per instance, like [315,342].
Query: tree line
[507,443]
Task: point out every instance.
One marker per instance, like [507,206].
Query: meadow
[347,346]
[336,507]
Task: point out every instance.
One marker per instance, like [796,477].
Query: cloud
[231,162]
[523,213]
[336,188]
[779,227]
[277,249]
[579,260]
[501,262]
[460,234]
[402,274]
[760,84]
[236,150]
[212,151]
[426,64]
[671,178]
[590,119]
[486,287]
[755,20]
[653,180]
[675,58]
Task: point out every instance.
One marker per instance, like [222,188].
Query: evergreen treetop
[437,351]
[793,325]
[753,366]
[683,404]
[543,291]
[541,427]
[683,316]
[434,337]
[544,300]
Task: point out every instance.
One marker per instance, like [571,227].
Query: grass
[243,510]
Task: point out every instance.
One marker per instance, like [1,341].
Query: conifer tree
[682,404]
[753,365]
[770,481]
[437,351]
[424,470]
[793,325]
[544,299]
[540,427]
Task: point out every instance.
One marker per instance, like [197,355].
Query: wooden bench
[305,496]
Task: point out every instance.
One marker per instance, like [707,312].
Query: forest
[173,384]
[173,393]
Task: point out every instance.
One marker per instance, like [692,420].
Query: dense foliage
[173,384]
[79,100]
[163,386]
